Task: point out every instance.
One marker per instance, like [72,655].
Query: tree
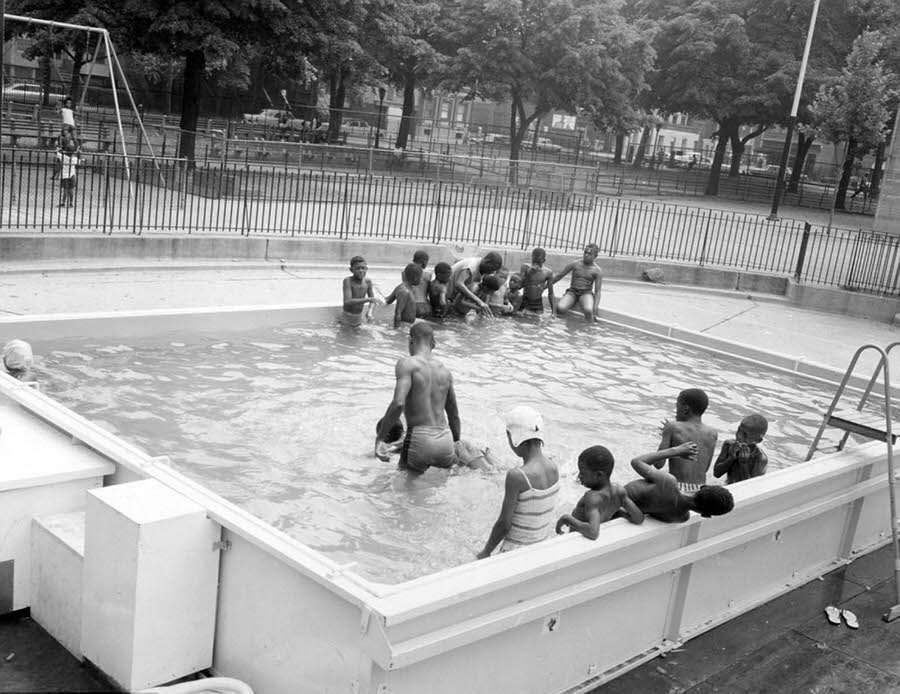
[545,55]
[205,34]
[854,106]
[408,52]
[50,43]
[728,61]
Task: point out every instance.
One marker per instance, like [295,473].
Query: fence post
[437,214]
[344,211]
[615,234]
[705,238]
[801,256]
[526,236]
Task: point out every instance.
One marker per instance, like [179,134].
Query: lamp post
[792,121]
[381,92]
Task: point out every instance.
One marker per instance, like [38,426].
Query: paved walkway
[760,321]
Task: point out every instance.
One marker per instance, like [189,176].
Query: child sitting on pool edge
[604,498]
[741,458]
[358,292]
[529,502]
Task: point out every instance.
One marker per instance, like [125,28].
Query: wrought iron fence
[143,196]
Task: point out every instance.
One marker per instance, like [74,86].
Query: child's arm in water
[598,287]
[590,509]
[504,521]
[370,295]
[724,461]
[551,297]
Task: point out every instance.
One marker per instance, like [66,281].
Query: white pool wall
[570,613]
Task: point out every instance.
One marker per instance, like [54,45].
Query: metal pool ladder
[871,426]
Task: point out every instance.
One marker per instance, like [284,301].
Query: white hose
[210,685]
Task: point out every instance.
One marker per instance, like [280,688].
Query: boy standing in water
[406,309]
[587,281]
[741,458]
[529,503]
[535,280]
[688,427]
[358,292]
[420,291]
[657,494]
[603,499]
[437,291]
[462,304]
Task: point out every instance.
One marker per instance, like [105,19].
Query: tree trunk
[336,98]
[726,128]
[620,145]
[407,117]
[78,61]
[847,171]
[516,135]
[737,152]
[534,138]
[45,67]
[170,86]
[194,67]
[642,147]
[804,144]
[875,185]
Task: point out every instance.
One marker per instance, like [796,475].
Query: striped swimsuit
[533,518]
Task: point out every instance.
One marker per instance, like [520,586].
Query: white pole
[49,23]
[112,82]
[805,61]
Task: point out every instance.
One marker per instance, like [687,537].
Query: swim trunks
[427,446]
[578,293]
[536,305]
[351,319]
[423,309]
[689,487]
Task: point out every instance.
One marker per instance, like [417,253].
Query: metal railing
[302,199]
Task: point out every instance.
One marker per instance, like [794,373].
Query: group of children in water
[688,445]
[479,285]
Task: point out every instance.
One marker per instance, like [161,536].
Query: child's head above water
[412,274]
[592,249]
[515,282]
[752,428]
[713,501]
[595,466]
[538,256]
[420,258]
[442,272]
[524,423]
[691,402]
[490,284]
[502,274]
[358,266]
[491,262]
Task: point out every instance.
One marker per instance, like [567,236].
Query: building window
[445,109]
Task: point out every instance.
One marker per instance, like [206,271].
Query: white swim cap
[17,355]
[524,423]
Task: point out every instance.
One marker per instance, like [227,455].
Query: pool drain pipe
[210,685]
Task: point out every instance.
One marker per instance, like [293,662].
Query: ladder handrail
[882,363]
[869,386]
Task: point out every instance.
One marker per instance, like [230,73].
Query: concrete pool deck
[762,321]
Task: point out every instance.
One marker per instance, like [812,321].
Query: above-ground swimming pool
[282,421]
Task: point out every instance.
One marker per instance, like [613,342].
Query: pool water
[282,421]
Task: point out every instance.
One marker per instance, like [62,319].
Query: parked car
[357,128]
[544,144]
[30,93]
[272,117]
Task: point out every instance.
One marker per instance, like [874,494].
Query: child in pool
[419,291]
[689,426]
[437,291]
[514,296]
[497,300]
[535,280]
[18,360]
[603,499]
[529,502]
[407,307]
[358,293]
[657,492]
[741,457]
[587,281]
[462,304]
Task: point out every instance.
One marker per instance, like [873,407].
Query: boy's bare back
[606,501]
[694,431]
